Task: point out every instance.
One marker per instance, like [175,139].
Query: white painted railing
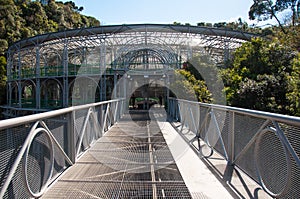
[266,146]
[35,149]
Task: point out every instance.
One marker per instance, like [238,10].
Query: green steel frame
[42,70]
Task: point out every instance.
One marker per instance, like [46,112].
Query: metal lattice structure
[263,145]
[44,71]
[36,149]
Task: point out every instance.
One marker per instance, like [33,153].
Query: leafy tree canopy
[264,75]
[22,19]
[25,18]
[188,87]
[267,9]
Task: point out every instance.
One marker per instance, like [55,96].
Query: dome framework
[79,66]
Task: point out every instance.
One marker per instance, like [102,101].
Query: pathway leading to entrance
[143,156]
[132,160]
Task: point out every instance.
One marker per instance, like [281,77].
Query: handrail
[63,136]
[292,120]
[269,141]
[8,123]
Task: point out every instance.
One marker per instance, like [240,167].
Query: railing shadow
[234,180]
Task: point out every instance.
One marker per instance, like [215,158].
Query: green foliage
[260,77]
[293,94]
[2,80]
[3,46]
[292,39]
[23,19]
[237,25]
[293,5]
[204,69]
[267,9]
[186,86]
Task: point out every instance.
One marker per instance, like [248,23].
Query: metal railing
[35,149]
[265,146]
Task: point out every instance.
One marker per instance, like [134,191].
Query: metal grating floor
[132,160]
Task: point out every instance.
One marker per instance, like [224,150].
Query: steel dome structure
[81,66]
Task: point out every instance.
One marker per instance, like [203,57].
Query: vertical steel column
[38,79]
[167,91]
[189,50]
[115,86]
[226,50]
[9,76]
[8,93]
[126,81]
[103,71]
[19,79]
[65,75]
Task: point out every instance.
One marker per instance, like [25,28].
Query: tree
[2,80]
[205,70]
[293,5]
[263,10]
[258,78]
[185,86]
[25,18]
[293,94]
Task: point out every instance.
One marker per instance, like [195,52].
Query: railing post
[231,139]
[71,138]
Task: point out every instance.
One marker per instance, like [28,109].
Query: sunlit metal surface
[264,145]
[42,70]
[36,149]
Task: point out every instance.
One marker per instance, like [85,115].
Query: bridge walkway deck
[137,158]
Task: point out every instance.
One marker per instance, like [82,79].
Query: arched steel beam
[103,31]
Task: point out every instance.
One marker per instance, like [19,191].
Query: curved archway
[83,90]
[28,94]
[146,59]
[51,94]
[51,63]
[13,90]
[28,64]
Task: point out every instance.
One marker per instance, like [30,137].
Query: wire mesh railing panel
[80,116]
[247,162]
[264,145]
[293,135]
[59,129]
[11,141]
[272,160]
[244,129]
[292,184]
[220,119]
[16,187]
[35,149]
[293,191]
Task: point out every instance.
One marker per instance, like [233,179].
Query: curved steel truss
[105,51]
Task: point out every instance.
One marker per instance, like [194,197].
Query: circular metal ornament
[44,187]
[266,185]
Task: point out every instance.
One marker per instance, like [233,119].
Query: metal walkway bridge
[102,150]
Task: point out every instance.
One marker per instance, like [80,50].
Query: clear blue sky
[110,12]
